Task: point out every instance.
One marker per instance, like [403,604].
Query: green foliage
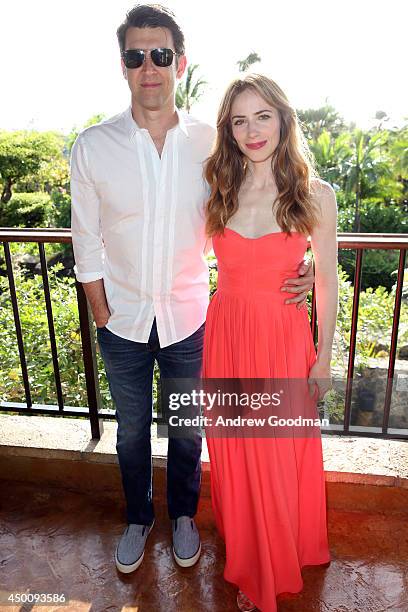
[361,167]
[378,265]
[23,155]
[358,163]
[315,121]
[398,141]
[212,262]
[51,175]
[189,91]
[366,164]
[374,323]
[61,200]
[377,217]
[37,345]
[27,210]
[250,60]
[374,330]
[330,154]
[373,337]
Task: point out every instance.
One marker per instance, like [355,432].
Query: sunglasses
[134,58]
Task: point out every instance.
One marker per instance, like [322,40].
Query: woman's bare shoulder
[321,188]
[323,195]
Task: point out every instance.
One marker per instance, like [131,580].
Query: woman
[268,492]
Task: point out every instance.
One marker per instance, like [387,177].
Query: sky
[60,63]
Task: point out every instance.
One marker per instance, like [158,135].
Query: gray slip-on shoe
[130,549]
[186,541]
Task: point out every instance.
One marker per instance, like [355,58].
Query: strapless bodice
[257,266]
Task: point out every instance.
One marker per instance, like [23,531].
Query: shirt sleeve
[85,218]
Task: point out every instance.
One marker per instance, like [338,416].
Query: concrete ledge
[363,474]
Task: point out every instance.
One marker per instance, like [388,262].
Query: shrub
[61,208]
[27,210]
[378,265]
[34,325]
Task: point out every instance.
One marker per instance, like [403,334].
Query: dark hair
[151,16]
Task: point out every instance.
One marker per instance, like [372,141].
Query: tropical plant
[378,265]
[365,168]
[398,150]
[189,90]
[359,165]
[374,322]
[315,121]
[330,154]
[250,60]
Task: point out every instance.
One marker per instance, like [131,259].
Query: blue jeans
[129,368]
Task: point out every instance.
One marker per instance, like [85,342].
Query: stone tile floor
[58,541]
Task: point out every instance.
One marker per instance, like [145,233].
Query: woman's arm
[324,247]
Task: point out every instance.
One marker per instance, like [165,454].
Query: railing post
[17,324]
[394,340]
[51,328]
[313,314]
[353,340]
[91,369]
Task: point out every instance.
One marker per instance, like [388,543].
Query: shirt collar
[133,127]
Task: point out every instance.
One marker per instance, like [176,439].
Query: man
[138,233]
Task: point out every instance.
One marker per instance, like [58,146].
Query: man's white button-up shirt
[138,223]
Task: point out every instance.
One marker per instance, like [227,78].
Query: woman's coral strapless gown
[268,494]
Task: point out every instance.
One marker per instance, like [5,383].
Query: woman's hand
[319,380]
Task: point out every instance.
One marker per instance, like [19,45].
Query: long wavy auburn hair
[291,163]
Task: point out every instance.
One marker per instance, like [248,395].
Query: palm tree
[189,92]
[330,154]
[365,168]
[251,59]
[357,163]
[315,120]
[399,154]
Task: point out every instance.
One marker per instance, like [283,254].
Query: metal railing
[94,409]
[357,242]
[361,242]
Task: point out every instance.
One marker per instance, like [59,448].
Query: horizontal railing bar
[345,240]
[35,236]
[53,410]
[358,242]
[370,234]
[36,229]
[46,409]
[391,435]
